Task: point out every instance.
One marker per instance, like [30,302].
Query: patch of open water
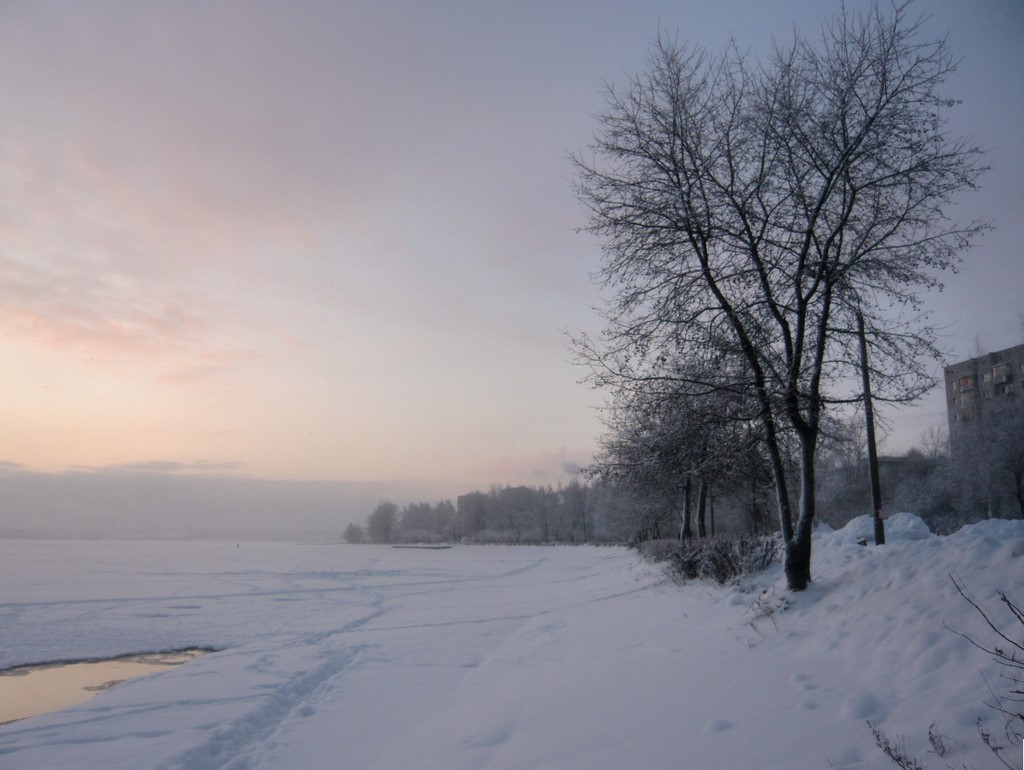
[28,691]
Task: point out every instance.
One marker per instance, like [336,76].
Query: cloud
[277,234]
[166,467]
[67,303]
[92,266]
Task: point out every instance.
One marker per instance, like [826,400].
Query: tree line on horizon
[574,513]
[669,499]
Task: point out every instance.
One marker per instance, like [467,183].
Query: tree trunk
[798,547]
[869,424]
[1018,480]
[798,561]
[778,472]
[711,509]
[757,513]
[702,505]
[687,532]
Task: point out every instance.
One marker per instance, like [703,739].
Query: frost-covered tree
[768,204]
[380,527]
[426,523]
[987,463]
[354,533]
[471,514]
[1010,455]
[575,501]
[673,440]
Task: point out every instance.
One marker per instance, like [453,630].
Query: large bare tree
[766,204]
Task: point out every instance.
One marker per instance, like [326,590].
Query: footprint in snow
[861,706]
[717,726]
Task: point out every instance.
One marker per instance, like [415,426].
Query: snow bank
[488,657]
[899,528]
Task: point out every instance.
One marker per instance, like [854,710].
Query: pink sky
[335,241]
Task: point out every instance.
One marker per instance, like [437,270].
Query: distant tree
[613,512]
[575,503]
[514,510]
[769,204]
[843,483]
[676,441]
[415,522]
[935,442]
[426,523]
[1010,455]
[988,462]
[471,513]
[444,520]
[381,526]
[650,450]
[354,534]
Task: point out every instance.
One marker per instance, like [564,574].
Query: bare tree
[671,436]
[766,204]
[935,442]
[1011,456]
[654,453]
[989,462]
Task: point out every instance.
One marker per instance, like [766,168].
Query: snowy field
[504,657]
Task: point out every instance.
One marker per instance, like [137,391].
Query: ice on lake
[501,657]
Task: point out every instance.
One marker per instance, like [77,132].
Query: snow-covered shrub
[658,550]
[721,558]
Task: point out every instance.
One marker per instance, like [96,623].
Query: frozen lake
[499,657]
[325,650]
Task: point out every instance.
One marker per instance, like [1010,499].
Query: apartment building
[979,389]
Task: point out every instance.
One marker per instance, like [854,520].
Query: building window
[1001,372]
[966,382]
[967,414]
[986,377]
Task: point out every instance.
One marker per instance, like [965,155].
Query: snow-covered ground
[505,657]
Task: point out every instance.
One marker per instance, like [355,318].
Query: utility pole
[869,417]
